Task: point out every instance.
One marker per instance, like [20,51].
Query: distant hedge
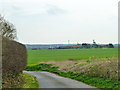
[14,56]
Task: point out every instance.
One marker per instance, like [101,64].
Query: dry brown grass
[13,81]
[100,69]
[105,67]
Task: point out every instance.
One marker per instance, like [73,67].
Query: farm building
[76,46]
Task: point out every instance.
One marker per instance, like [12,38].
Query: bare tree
[7,29]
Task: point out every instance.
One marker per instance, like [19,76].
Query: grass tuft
[30,81]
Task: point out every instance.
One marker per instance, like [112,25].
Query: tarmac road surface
[49,80]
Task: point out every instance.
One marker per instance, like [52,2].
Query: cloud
[30,8]
[79,17]
[54,10]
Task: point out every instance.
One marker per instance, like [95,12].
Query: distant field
[37,56]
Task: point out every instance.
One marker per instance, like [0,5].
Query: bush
[14,57]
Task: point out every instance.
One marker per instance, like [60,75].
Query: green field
[43,55]
[96,66]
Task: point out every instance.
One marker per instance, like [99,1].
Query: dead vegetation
[104,68]
[13,81]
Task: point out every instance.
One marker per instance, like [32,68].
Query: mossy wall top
[14,56]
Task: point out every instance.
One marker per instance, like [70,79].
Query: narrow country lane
[49,80]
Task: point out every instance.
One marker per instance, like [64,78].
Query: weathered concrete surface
[49,80]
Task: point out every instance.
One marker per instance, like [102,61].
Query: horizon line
[62,43]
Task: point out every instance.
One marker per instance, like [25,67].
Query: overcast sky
[57,21]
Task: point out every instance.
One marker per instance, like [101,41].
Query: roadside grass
[45,55]
[93,81]
[30,81]
[12,80]
[103,68]
[19,80]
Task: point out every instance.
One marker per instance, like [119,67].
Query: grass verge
[29,81]
[12,80]
[93,81]
[19,80]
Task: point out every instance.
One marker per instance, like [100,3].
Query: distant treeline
[69,46]
[85,45]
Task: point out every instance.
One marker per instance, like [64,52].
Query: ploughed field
[45,55]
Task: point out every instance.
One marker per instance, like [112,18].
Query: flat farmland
[45,55]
